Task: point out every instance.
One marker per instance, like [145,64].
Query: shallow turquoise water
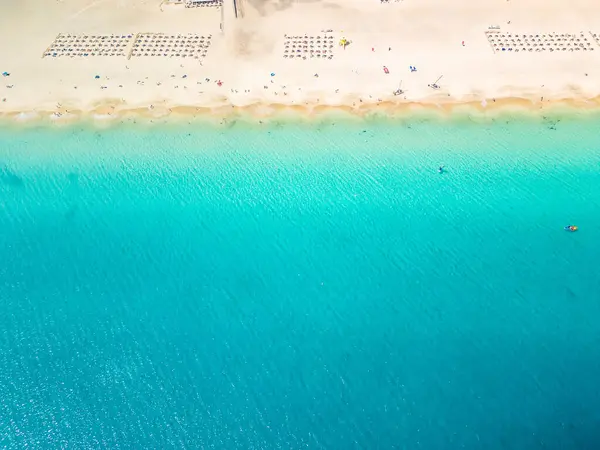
[291,286]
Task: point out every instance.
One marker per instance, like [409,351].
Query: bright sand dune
[427,34]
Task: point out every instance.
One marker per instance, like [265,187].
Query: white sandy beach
[427,34]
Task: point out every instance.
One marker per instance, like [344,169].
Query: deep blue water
[301,287]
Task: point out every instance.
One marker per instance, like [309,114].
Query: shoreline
[484,111]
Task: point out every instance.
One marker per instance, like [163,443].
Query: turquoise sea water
[290,287]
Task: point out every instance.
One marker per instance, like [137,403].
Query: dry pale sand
[427,34]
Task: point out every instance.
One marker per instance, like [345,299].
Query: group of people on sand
[553,42]
[84,45]
[156,44]
[127,45]
[203,3]
[308,46]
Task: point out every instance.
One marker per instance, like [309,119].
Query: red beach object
[385,69]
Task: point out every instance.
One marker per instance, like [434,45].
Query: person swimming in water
[441,169]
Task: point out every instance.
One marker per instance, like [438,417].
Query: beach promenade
[68,58]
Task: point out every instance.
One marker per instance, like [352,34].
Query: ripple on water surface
[288,286]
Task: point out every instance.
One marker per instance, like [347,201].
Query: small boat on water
[571,228]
